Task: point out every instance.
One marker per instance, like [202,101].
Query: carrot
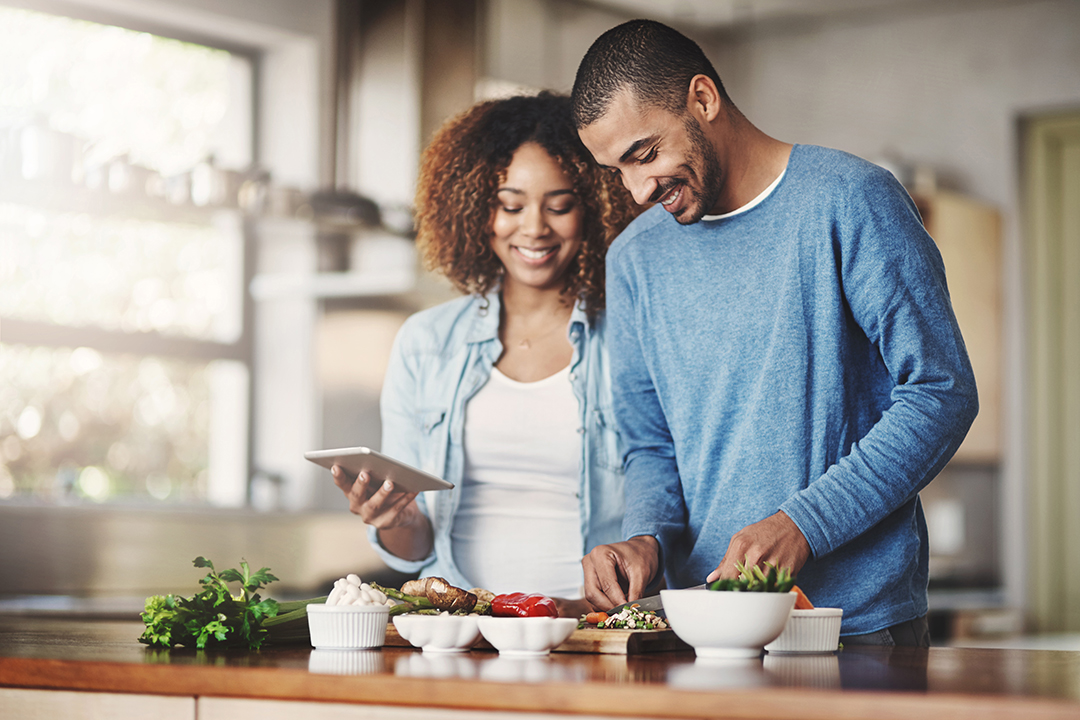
[801,601]
[595,618]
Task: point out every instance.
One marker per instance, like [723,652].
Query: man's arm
[655,511]
[894,284]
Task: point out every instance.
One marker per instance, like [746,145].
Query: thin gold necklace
[526,343]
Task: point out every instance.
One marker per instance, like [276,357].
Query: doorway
[1051,187]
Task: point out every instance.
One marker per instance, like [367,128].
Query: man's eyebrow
[634,147]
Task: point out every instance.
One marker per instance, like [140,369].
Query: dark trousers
[913,633]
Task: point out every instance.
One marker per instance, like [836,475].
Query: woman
[505,391]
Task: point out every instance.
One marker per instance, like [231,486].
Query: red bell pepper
[523,605]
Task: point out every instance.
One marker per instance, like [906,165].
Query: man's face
[662,157]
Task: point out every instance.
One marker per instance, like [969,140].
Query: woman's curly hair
[460,174]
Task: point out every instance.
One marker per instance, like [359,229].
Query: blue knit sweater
[801,356]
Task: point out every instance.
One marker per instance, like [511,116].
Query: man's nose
[640,186]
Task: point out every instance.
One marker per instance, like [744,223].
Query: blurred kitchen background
[206,250]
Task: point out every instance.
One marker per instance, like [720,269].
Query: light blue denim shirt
[440,358]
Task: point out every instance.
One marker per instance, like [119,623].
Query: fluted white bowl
[809,631]
[526,635]
[438,633]
[347,627]
[726,624]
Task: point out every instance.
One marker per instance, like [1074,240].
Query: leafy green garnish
[754,579]
[213,617]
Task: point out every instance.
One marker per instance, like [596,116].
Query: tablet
[381,467]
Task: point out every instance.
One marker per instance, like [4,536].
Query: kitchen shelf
[48,196]
[272,286]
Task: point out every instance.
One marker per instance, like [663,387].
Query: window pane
[118,214]
[165,104]
[122,274]
[78,424]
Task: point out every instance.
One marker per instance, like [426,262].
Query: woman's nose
[534,224]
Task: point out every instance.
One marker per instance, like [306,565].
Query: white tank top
[518,522]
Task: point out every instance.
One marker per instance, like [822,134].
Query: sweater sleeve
[894,283]
[400,439]
[654,499]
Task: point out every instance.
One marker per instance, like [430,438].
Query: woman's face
[538,220]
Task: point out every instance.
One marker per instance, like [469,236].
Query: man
[787,366]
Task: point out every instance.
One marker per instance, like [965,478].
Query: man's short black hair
[653,60]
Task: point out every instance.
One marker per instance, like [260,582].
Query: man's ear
[703,99]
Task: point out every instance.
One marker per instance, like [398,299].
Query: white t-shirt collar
[756,201]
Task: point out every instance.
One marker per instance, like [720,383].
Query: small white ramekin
[336,662]
[809,631]
[347,627]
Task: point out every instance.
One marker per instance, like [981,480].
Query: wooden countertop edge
[571,698]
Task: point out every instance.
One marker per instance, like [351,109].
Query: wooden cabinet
[968,234]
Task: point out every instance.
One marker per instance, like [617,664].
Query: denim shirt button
[581,431]
[573,377]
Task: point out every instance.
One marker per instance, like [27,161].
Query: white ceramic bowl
[525,635]
[724,624]
[809,631]
[438,633]
[347,627]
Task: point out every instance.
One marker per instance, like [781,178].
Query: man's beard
[710,179]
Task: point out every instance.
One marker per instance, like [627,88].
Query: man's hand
[776,540]
[620,572]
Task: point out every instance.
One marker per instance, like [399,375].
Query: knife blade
[652,603]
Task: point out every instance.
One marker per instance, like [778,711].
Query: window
[124,353]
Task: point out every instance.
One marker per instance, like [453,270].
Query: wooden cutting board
[589,640]
[622,642]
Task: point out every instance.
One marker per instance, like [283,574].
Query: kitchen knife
[652,603]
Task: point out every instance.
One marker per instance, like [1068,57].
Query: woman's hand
[403,529]
[377,504]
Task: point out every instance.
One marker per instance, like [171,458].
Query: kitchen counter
[103,657]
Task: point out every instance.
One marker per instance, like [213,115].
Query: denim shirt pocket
[433,439]
[607,446]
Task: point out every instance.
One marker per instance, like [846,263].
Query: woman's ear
[703,99]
